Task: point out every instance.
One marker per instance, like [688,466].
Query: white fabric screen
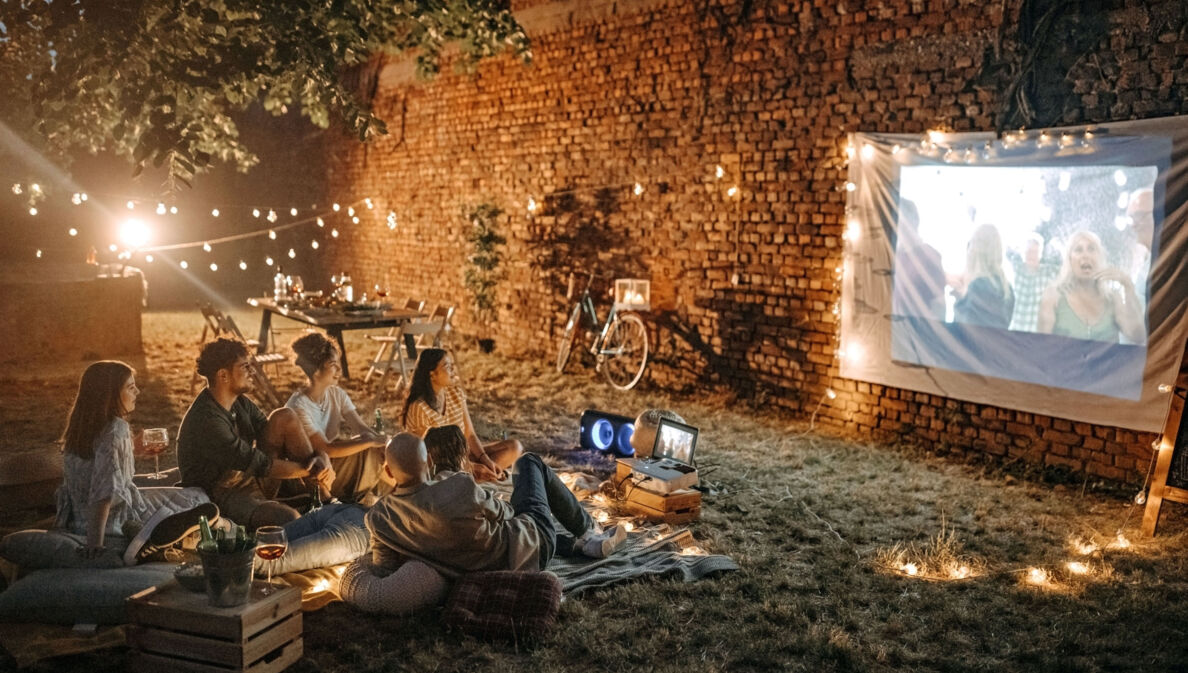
[1044,272]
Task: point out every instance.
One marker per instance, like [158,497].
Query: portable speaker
[602,431]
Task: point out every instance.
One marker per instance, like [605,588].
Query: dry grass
[815,523]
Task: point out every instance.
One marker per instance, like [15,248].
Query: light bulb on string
[206,247]
[321,222]
[32,210]
[214,267]
[369,204]
[293,212]
[531,205]
[350,211]
[268,261]
[149,258]
[173,210]
[732,192]
[355,220]
[334,233]
[131,205]
[242,265]
[184,264]
[160,208]
[16,188]
[76,199]
[850,186]
[638,189]
[868,151]
[113,247]
[292,254]
[72,231]
[83,196]
[335,207]
[214,212]
[35,188]
[272,234]
[314,244]
[39,254]
[271,215]
[255,212]
[391,219]
[719,172]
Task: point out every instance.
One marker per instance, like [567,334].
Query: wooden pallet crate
[677,507]
[177,630]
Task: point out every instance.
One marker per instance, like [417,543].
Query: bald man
[456,527]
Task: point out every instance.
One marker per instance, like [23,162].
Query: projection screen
[1042,271]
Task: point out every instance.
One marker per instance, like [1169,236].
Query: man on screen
[1140,210]
[919,290]
[1033,273]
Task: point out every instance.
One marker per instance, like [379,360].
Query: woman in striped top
[435,399]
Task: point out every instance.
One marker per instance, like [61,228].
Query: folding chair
[223,325]
[428,332]
[386,340]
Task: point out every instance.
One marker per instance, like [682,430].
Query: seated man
[456,527]
[646,424]
[236,454]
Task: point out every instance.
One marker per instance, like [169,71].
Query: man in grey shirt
[228,447]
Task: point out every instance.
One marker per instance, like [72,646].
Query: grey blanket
[640,555]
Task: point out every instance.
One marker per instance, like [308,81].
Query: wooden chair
[386,340]
[427,331]
[219,324]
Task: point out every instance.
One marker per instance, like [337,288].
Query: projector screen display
[1042,272]
[1050,262]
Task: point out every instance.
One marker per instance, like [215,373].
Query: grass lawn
[826,532]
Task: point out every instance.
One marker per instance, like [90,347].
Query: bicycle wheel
[567,339]
[624,353]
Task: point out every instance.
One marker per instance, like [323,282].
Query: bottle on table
[379,422]
[280,286]
[346,290]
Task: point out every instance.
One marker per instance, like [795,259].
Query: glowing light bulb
[173,210]
[255,212]
[829,392]
[959,573]
[321,222]
[272,234]
[149,258]
[868,151]
[314,244]
[214,212]
[113,247]
[293,212]
[76,198]
[16,188]
[628,526]
[1037,575]
[292,254]
[160,208]
[391,220]
[184,264]
[336,207]
[131,205]
[355,220]
[896,149]
[369,204]
[72,231]
[853,231]
[1077,568]
[910,569]
[32,210]
[83,196]
[38,254]
[242,265]
[531,205]
[35,187]
[719,172]
[268,261]
[271,215]
[206,247]
[936,136]
[350,211]
[1165,387]
[638,189]
[733,191]
[214,267]
[334,233]
[850,186]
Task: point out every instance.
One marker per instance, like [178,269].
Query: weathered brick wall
[661,93]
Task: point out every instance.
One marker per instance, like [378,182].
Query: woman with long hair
[333,424]
[435,399]
[97,497]
[1082,302]
[985,297]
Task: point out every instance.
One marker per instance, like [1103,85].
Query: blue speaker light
[602,431]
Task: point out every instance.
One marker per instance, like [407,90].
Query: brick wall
[661,93]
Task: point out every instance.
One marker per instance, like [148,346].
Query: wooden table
[334,321]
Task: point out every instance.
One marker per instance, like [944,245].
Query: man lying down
[456,527]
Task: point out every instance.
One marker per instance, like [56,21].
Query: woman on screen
[1083,305]
[985,297]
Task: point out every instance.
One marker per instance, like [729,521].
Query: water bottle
[348,292]
[280,287]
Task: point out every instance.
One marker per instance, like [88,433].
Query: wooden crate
[677,507]
[176,630]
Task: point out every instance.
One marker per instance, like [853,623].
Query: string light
[272,234]
[368,203]
[719,172]
[32,210]
[1077,568]
[336,207]
[113,247]
[72,231]
[321,222]
[334,233]
[732,192]
[214,213]
[531,205]
[1037,575]
[148,258]
[391,219]
[293,212]
[268,261]
[76,199]
[160,208]
[850,186]
[184,264]
[242,265]
[292,254]
[868,151]
[638,190]
[271,215]
[16,188]
[39,253]
[255,212]
[314,244]
[173,210]
[131,205]
[36,188]
[214,267]
[206,247]
[355,220]
[350,211]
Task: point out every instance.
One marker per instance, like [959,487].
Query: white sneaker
[603,544]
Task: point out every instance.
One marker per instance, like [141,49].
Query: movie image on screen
[675,443]
[1029,273]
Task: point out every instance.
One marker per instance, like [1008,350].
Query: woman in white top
[435,399]
[97,497]
[332,422]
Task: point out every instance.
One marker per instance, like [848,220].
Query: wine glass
[271,544]
[153,443]
[298,288]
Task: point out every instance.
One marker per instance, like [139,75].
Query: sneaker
[604,543]
[165,530]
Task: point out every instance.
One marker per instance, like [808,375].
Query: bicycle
[620,348]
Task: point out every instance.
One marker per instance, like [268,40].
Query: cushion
[37,549]
[411,587]
[506,604]
[79,595]
[29,479]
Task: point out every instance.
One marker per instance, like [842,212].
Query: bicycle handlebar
[573,276]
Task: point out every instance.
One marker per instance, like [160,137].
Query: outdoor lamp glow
[134,233]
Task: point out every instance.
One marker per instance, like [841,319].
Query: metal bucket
[228,576]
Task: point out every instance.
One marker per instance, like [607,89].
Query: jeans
[539,494]
[328,536]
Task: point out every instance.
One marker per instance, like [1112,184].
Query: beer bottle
[207,541]
[379,422]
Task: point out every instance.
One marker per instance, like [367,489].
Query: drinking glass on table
[271,544]
[298,287]
[153,442]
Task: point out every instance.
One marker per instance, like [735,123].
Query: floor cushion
[409,588]
[38,549]
[504,604]
[78,595]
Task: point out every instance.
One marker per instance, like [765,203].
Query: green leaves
[483,274]
[158,80]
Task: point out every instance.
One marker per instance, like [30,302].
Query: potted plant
[482,271]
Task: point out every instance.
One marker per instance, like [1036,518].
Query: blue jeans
[331,535]
[539,494]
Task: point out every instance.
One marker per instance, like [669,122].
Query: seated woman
[1081,304]
[332,422]
[446,447]
[97,497]
[435,400]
